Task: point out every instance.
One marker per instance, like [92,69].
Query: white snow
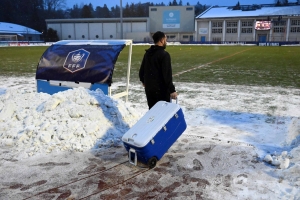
[76,119]
[35,125]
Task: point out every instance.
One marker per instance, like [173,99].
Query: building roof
[249,11]
[97,20]
[9,28]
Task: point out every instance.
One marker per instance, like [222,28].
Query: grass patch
[19,61]
[238,65]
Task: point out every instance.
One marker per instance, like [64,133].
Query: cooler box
[151,137]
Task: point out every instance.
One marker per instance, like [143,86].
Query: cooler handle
[172,99]
[133,162]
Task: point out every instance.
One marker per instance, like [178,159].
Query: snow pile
[282,161]
[76,119]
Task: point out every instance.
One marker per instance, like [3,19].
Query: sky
[112,3]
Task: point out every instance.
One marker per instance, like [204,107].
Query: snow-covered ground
[261,122]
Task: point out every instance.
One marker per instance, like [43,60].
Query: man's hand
[174,95]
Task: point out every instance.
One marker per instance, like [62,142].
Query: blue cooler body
[151,137]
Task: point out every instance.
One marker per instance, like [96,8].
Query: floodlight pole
[121,18]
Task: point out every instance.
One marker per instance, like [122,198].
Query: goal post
[8,38]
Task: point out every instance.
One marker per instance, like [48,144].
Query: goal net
[8,38]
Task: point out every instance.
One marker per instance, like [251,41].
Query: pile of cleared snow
[77,119]
[282,161]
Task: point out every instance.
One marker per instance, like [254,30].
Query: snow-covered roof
[224,12]
[9,28]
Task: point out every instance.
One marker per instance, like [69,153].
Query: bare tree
[53,5]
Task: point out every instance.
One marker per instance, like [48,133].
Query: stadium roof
[249,11]
[9,28]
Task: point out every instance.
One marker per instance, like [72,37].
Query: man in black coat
[156,72]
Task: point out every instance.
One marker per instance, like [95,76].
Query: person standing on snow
[156,72]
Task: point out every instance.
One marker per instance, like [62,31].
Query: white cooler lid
[150,124]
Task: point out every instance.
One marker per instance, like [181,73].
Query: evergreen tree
[175,3]
[199,8]
[140,12]
[126,10]
[86,12]
[75,12]
[51,35]
[106,13]
[91,8]
[278,3]
[237,6]
[132,10]
[115,11]
[282,2]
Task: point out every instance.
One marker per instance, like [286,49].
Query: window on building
[246,30]
[185,36]
[171,36]
[189,8]
[217,30]
[295,29]
[153,9]
[247,23]
[279,29]
[295,23]
[295,26]
[231,30]
[280,23]
[231,24]
[217,24]
[216,39]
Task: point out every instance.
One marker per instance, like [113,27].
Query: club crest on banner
[76,60]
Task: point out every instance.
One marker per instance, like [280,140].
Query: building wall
[67,31]
[95,31]
[81,31]
[103,29]
[139,36]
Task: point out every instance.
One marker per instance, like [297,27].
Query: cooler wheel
[152,162]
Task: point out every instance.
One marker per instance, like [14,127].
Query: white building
[176,21]
[101,28]
[251,23]
[247,24]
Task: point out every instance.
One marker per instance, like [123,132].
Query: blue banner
[171,19]
[79,62]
